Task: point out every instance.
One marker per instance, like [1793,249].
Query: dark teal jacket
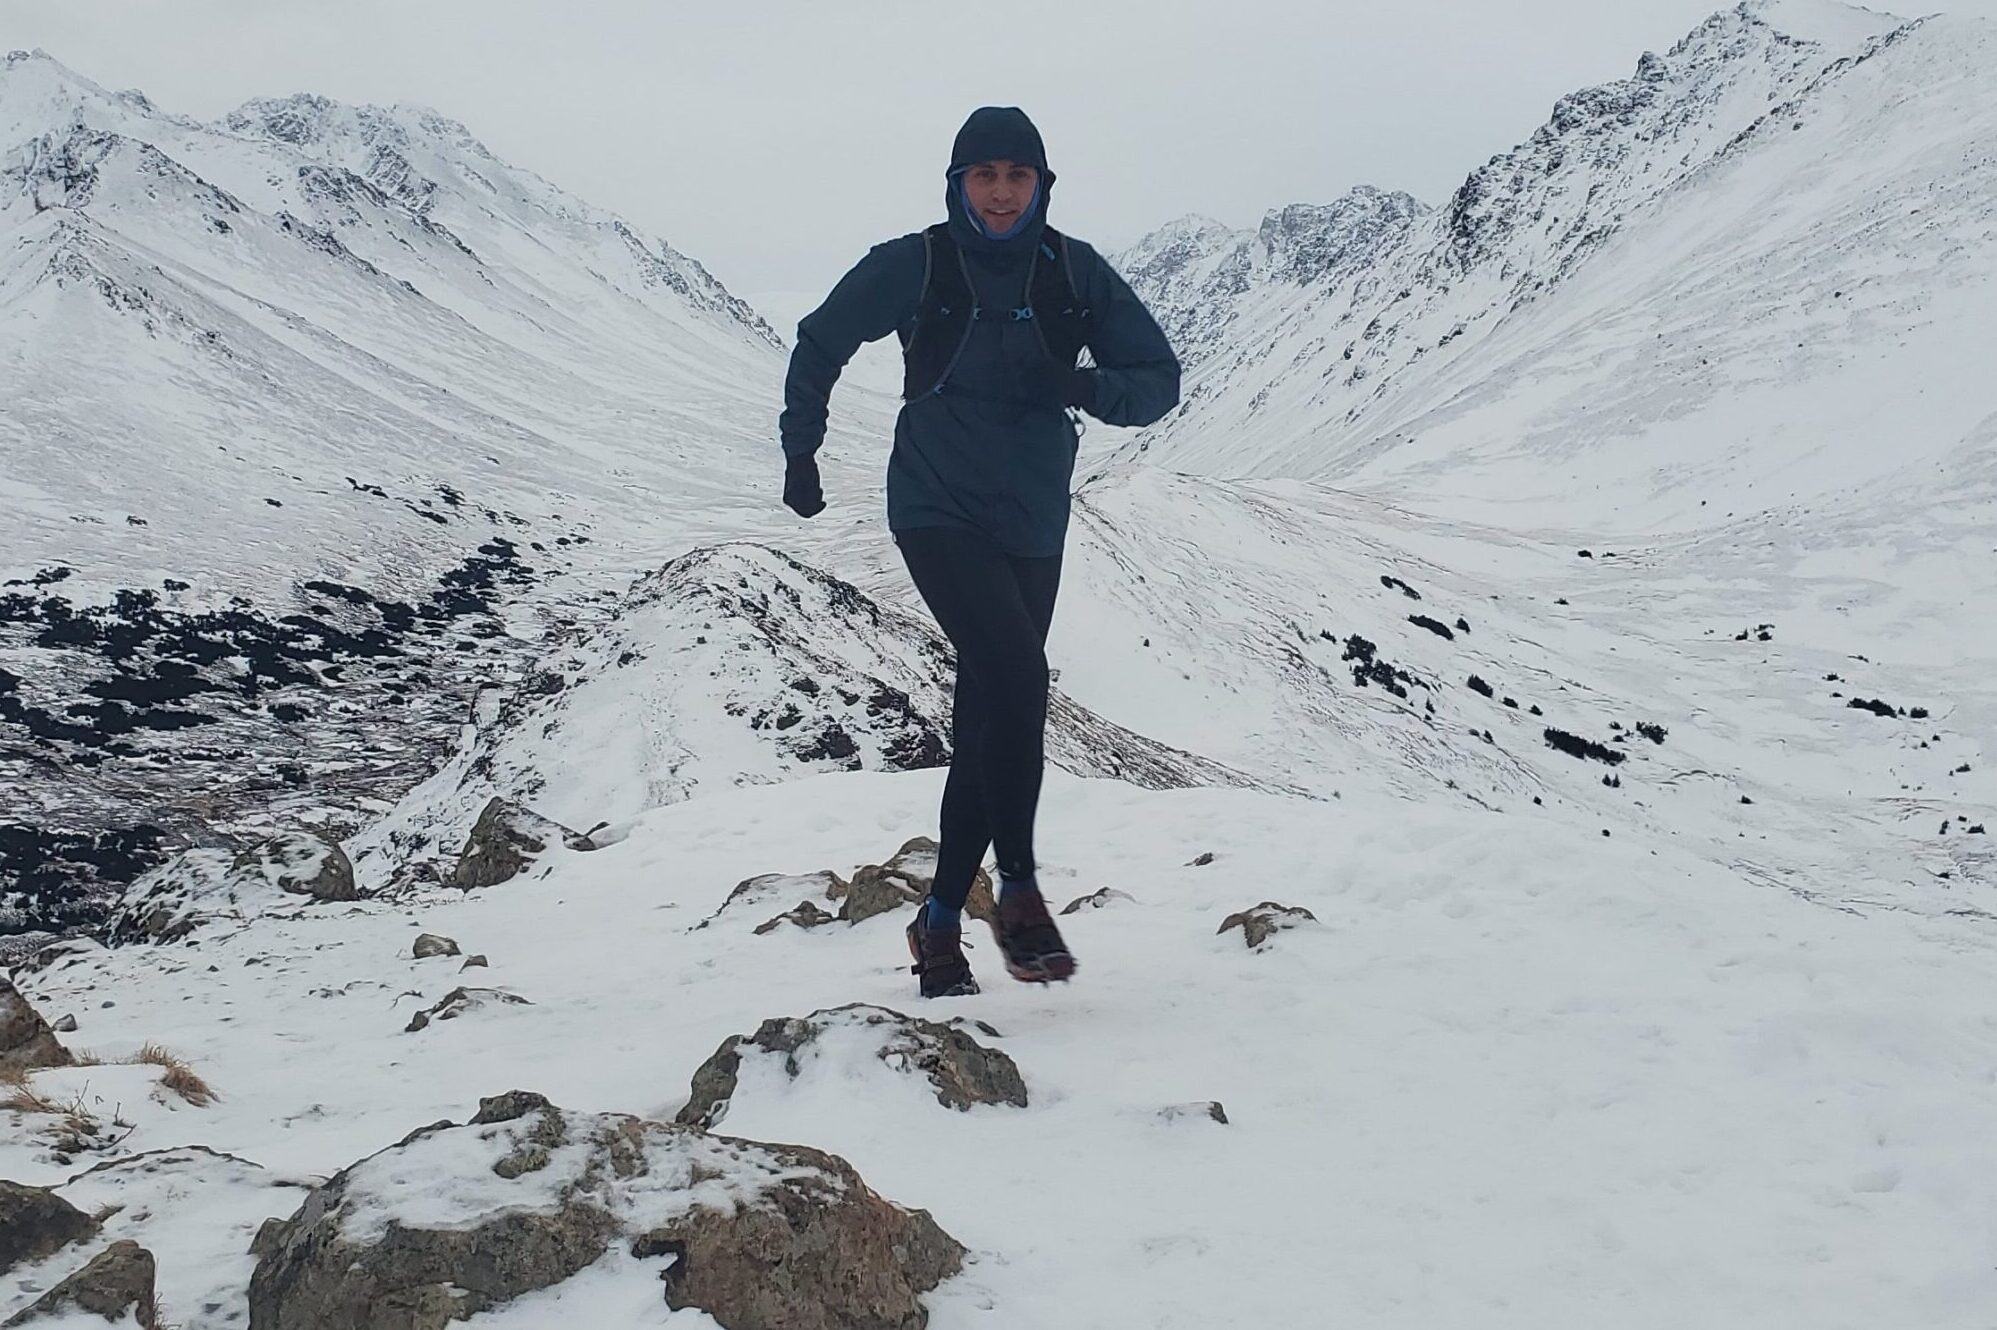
[974,456]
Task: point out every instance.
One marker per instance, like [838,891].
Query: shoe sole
[1044,970]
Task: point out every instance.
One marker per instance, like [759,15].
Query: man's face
[999,191]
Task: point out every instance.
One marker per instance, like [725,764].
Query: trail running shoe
[939,957]
[1032,946]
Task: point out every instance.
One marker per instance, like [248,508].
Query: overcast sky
[776,140]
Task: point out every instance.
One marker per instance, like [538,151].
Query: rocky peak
[1306,242]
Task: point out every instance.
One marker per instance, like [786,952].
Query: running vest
[948,309]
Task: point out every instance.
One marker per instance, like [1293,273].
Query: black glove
[1044,383]
[802,493]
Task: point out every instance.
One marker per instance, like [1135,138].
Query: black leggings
[995,609]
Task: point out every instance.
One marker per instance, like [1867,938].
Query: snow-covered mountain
[300,403]
[1721,284]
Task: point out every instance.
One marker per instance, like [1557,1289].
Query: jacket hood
[997,133]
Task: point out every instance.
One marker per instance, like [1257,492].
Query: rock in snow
[26,1041]
[456,1220]
[963,1071]
[204,885]
[1261,922]
[434,944]
[35,1223]
[504,843]
[118,1282]
[459,1001]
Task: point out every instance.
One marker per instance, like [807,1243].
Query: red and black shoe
[1031,944]
[939,957]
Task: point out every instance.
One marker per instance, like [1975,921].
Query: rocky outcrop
[35,1222]
[962,1071]
[26,1041]
[505,842]
[201,886]
[1261,922]
[458,1220]
[117,1284]
[459,1001]
[299,863]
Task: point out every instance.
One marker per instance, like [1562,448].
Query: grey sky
[776,140]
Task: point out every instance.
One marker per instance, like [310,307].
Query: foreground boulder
[456,1220]
[26,1041]
[201,886]
[1261,922]
[117,1284]
[962,1071]
[35,1222]
[505,841]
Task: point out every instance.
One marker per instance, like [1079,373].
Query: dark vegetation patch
[1368,669]
[1435,626]
[137,690]
[1653,732]
[1575,746]
[1477,685]
[1396,584]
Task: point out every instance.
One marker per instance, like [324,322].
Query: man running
[993,308]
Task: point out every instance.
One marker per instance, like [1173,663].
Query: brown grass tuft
[178,1077]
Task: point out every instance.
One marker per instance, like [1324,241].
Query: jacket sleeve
[871,301]
[1137,374]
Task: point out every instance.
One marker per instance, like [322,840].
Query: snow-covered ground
[1516,1075]
[1645,838]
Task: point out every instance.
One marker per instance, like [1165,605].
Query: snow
[1520,1073]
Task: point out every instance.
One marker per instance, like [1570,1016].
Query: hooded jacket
[977,456]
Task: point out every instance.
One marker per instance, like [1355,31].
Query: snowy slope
[311,414]
[1516,1076]
[1729,279]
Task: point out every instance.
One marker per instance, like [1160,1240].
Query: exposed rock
[200,886]
[806,915]
[963,1071]
[771,886]
[35,1222]
[434,944]
[65,1025]
[59,955]
[26,1041]
[461,1000]
[475,963]
[458,1220]
[117,1282]
[1201,860]
[300,863]
[905,879]
[1260,923]
[1211,1109]
[1096,900]
[505,841]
